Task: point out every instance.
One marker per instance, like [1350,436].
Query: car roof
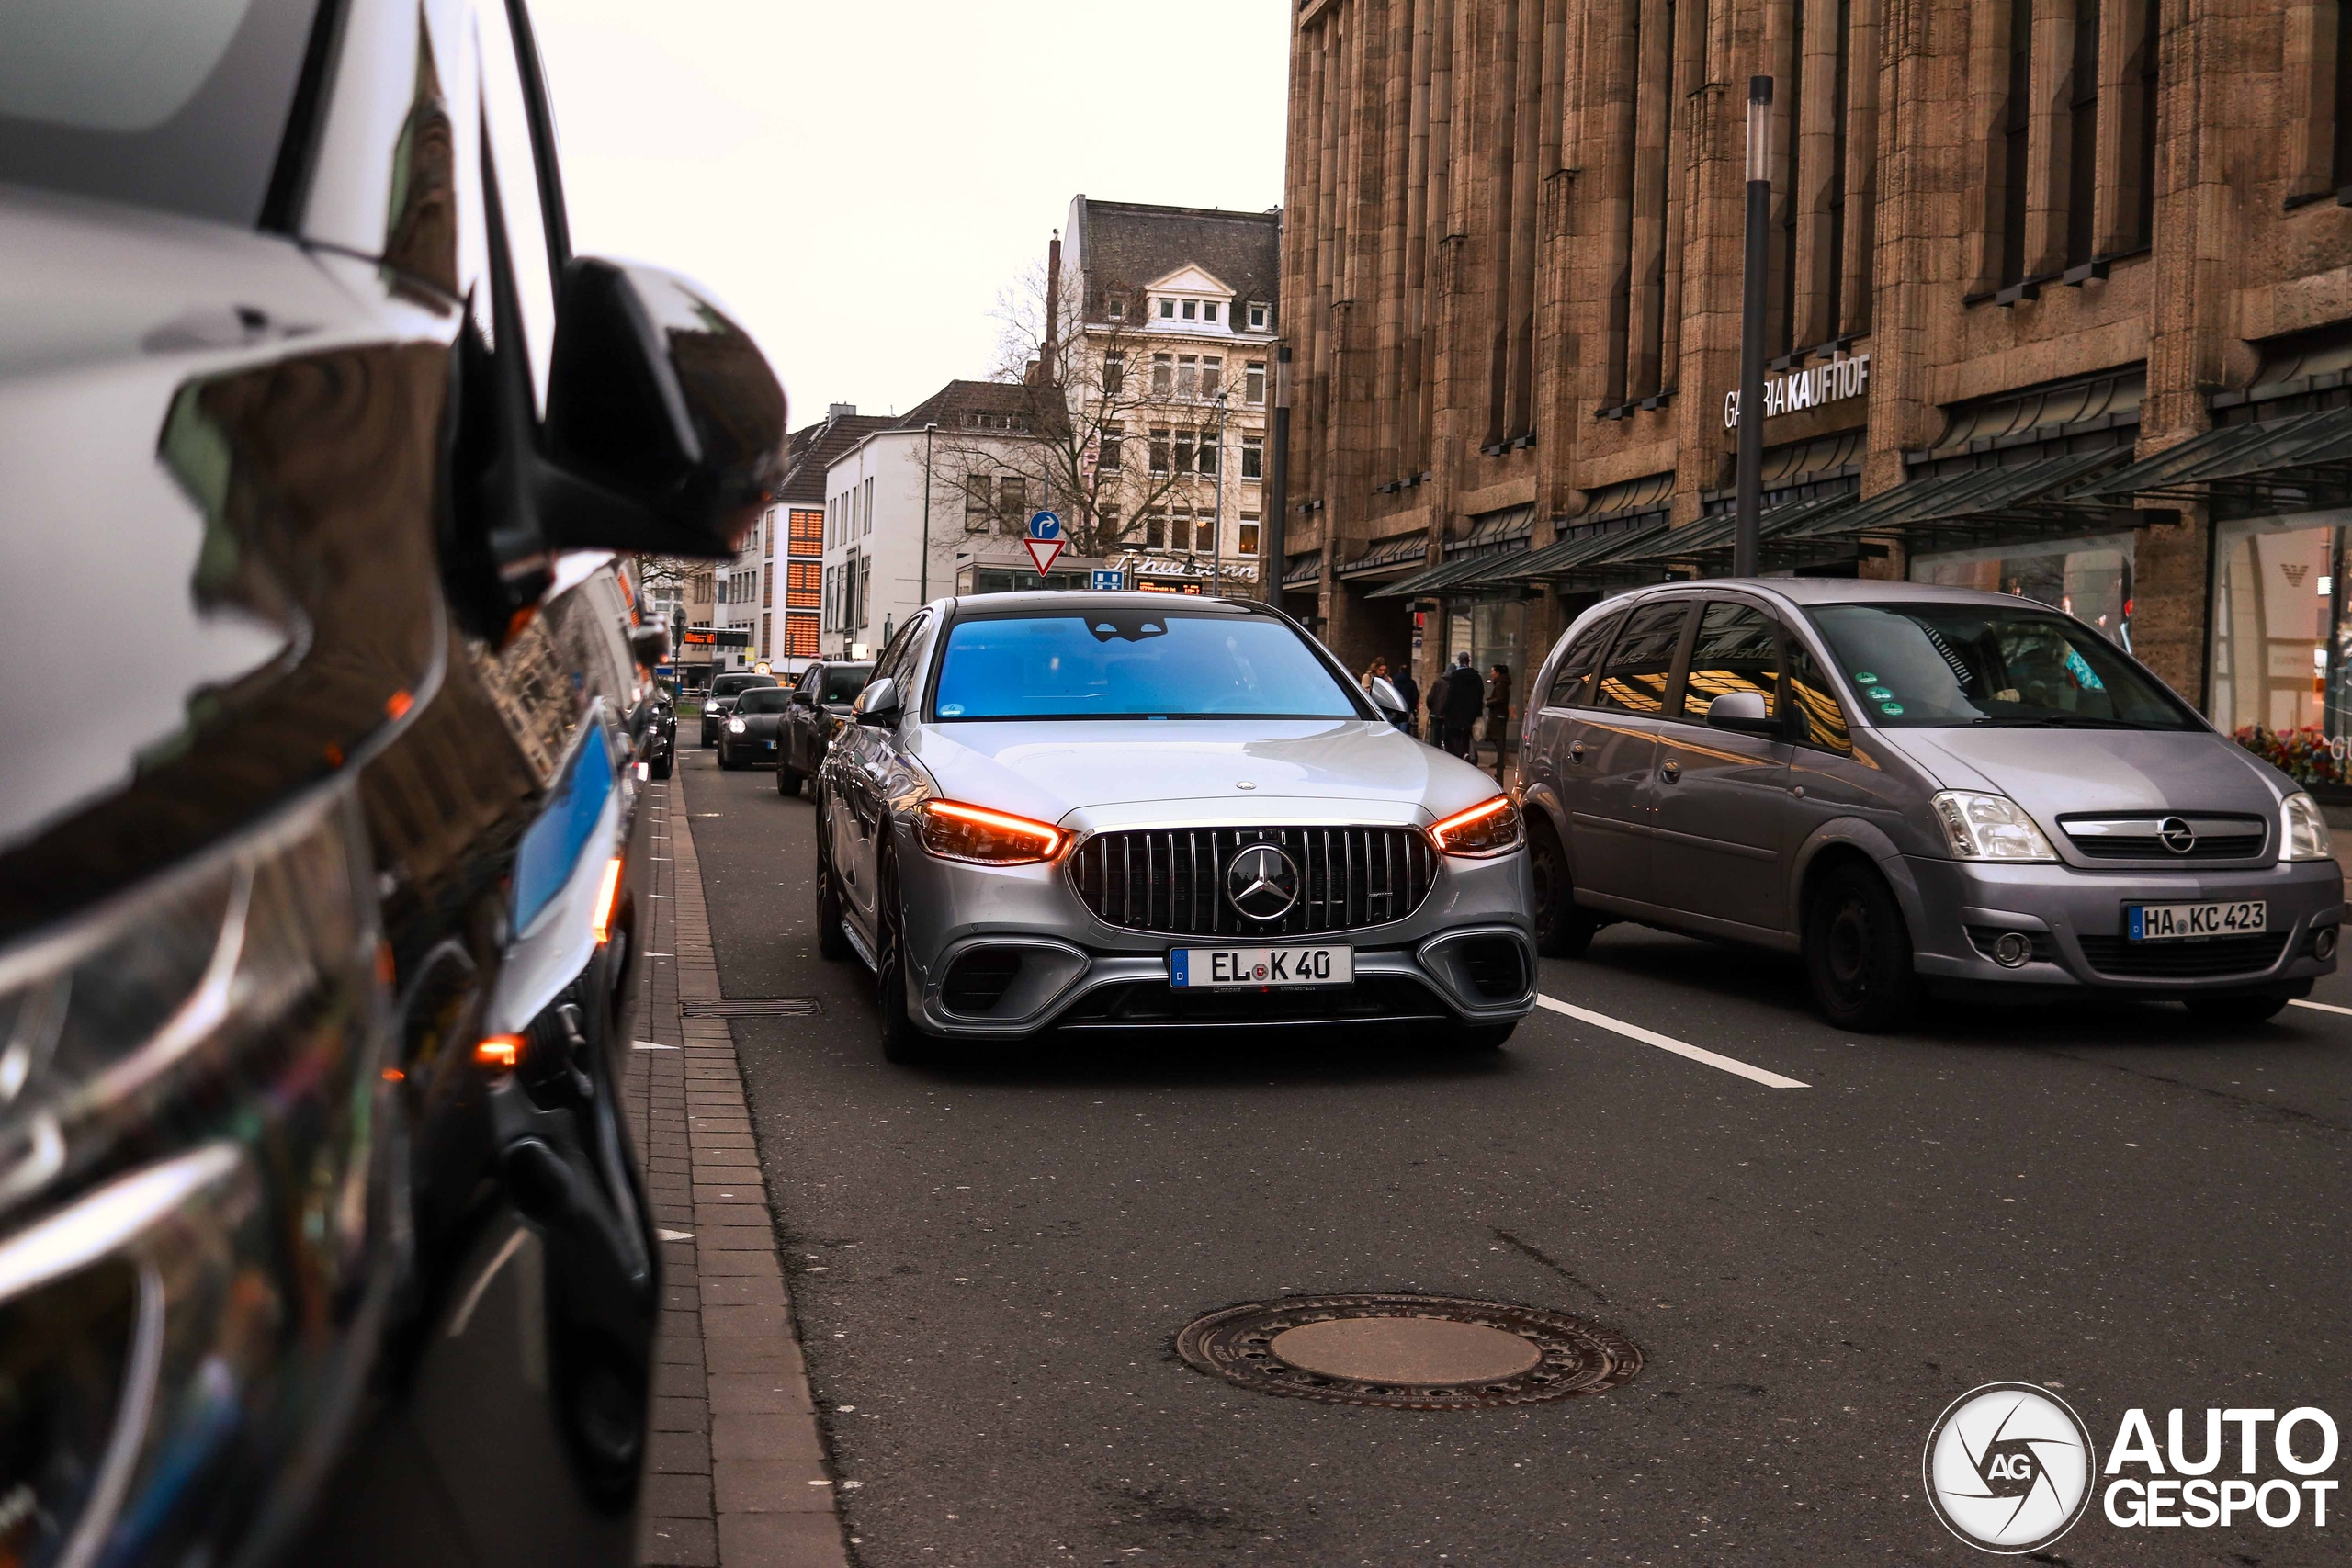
[1075,602]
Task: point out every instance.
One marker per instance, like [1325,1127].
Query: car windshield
[1134,663]
[766,699]
[158,102]
[1945,665]
[844,682]
[727,685]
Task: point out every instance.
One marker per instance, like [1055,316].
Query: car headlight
[1988,827]
[1489,828]
[197,1071]
[734,726]
[952,831]
[2303,831]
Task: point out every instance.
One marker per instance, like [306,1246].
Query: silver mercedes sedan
[1132,811]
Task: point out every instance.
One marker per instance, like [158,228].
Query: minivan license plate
[2175,923]
[1254,968]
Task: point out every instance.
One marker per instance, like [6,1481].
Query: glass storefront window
[2090,580]
[2276,614]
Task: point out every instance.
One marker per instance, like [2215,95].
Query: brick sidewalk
[735,1467]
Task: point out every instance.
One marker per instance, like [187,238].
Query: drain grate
[1408,1352]
[754,1007]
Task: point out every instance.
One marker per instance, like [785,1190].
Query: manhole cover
[752,1007]
[1408,1352]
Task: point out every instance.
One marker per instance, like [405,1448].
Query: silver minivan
[1917,788]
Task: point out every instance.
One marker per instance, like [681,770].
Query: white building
[876,568]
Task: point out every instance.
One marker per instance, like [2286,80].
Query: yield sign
[1045,552]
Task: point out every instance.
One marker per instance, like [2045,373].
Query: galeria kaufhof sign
[1806,388]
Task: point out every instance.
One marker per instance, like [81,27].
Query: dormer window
[1257,316]
[1191,310]
[1168,310]
[1116,309]
[1208,309]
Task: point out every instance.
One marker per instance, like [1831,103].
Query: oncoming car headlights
[192,1108]
[734,726]
[952,831]
[1489,827]
[1988,827]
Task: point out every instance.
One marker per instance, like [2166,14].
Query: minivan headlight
[1988,827]
[2303,831]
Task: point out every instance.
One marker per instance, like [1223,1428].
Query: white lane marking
[1668,1042]
[2318,1007]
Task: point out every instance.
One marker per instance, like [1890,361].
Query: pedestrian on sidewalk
[1410,690]
[1499,711]
[1457,718]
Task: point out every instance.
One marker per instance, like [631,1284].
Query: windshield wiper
[2055,721]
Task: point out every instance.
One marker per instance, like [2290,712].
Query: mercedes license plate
[2175,923]
[1254,968]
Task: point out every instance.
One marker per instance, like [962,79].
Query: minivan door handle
[1673,770]
[1576,752]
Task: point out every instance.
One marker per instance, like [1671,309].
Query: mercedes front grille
[1172,880]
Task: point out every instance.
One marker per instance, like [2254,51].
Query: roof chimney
[840,411]
[1053,309]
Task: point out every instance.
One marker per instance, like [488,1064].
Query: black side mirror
[803,699]
[1742,711]
[878,703]
[664,425]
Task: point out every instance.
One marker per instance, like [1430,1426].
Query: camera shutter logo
[1261,883]
[2009,1468]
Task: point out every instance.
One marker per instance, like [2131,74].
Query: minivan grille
[2141,837]
[1172,880]
[2193,960]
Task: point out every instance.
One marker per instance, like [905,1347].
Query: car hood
[2055,772]
[1104,774]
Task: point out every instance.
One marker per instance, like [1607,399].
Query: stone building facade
[2060,302]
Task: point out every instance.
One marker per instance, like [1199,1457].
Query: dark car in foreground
[320,1238]
[1916,789]
[747,739]
[719,700]
[820,705]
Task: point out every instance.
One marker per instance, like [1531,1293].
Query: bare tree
[1089,430]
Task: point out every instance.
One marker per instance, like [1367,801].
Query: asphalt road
[990,1261]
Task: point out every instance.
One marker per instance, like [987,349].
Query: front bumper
[1075,973]
[2074,923]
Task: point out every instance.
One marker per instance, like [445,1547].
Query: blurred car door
[1612,749]
[1719,797]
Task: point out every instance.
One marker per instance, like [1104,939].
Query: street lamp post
[1748,520]
[922,572]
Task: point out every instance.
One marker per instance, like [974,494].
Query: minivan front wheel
[1858,951]
[1562,930]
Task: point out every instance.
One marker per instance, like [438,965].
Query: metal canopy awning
[2281,465]
[1714,535]
[1306,567]
[1403,550]
[1570,557]
[2044,498]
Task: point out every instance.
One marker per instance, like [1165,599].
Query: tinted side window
[1633,679]
[530,228]
[1735,650]
[1818,720]
[899,658]
[1571,682]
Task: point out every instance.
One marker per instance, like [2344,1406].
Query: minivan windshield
[1944,665]
[1134,663]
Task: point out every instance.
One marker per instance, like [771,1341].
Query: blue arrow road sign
[1109,581]
[1044,525]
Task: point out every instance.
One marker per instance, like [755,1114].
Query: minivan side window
[1735,650]
[1572,682]
[1633,679]
[1817,721]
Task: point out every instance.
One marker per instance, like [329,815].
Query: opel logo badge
[2176,835]
[1261,883]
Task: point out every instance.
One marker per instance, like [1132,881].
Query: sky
[862,185]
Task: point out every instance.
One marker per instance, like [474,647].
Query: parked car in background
[749,737]
[1916,788]
[322,1243]
[820,705]
[660,742]
[1122,811]
[719,700]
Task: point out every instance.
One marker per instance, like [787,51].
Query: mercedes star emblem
[2176,835]
[1261,883]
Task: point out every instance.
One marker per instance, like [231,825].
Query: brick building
[2061,303]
